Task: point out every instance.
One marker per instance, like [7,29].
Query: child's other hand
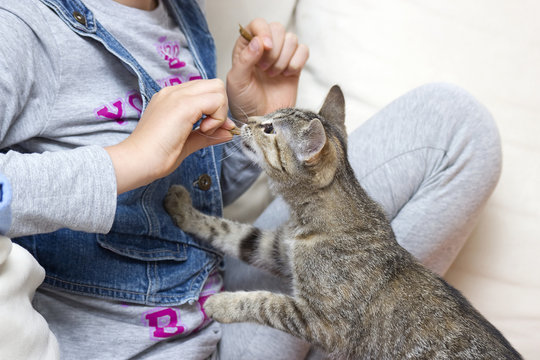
[164,136]
[265,72]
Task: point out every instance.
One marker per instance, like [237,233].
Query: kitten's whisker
[246,116]
[237,122]
[234,149]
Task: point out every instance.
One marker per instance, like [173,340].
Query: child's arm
[72,188]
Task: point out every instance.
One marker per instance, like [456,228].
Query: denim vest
[145,258]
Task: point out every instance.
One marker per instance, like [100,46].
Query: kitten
[356,292]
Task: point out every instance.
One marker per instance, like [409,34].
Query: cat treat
[235,131]
[245,34]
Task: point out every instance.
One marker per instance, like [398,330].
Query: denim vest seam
[55,279]
[179,299]
[50,277]
[145,294]
[133,251]
[153,224]
[149,265]
[218,187]
[187,32]
[192,285]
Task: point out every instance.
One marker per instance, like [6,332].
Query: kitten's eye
[268,129]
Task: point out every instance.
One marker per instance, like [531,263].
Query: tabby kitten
[356,292]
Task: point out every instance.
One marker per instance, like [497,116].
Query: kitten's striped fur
[356,292]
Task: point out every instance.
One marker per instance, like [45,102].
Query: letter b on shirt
[163,323]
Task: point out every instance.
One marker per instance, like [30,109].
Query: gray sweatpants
[431,159]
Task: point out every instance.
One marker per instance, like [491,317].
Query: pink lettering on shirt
[163,323]
[115,112]
[169,81]
[174,80]
[169,51]
[119,109]
[134,99]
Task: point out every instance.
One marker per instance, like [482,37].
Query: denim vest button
[204,182]
[79,17]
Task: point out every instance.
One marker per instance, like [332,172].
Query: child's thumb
[247,58]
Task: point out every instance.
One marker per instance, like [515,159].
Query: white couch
[379,49]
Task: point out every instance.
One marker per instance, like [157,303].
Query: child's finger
[209,125]
[271,55]
[259,27]
[245,60]
[290,44]
[298,61]
[214,106]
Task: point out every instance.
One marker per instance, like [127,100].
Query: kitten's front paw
[178,205]
[221,307]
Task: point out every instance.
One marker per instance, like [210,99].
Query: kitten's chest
[320,264]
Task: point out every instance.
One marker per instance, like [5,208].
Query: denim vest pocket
[145,248]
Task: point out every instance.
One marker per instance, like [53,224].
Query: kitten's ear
[313,141]
[333,109]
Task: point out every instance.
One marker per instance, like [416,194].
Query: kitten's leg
[264,249]
[279,311]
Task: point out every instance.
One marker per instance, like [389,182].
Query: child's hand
[164,136]
[265,72]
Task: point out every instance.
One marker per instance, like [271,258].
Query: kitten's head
[299,147]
